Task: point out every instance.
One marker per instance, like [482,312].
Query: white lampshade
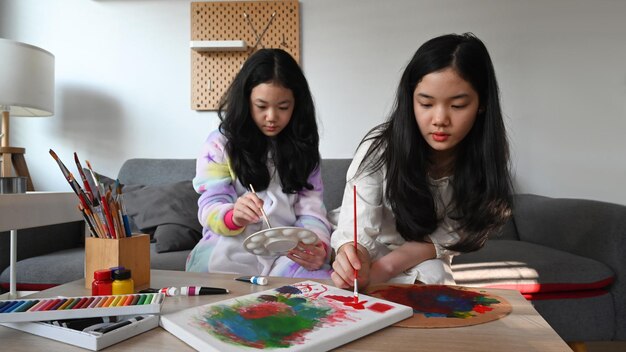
[26,79]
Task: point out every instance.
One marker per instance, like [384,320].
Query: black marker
[201,291]
[81,323]
[115,326]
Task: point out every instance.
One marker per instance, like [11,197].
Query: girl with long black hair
[433,180]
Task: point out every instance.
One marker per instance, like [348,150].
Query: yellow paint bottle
[122,282]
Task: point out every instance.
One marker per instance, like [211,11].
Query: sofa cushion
[156,171]
[169,211]
[175,237]
[538,272]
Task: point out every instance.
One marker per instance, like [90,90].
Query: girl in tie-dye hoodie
[267,140]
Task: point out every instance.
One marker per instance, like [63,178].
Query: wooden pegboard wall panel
[212,72]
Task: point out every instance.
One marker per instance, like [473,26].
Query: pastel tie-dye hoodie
[221,248]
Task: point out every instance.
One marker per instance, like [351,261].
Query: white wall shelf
[219,45]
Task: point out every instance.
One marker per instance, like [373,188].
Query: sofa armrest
[588,228]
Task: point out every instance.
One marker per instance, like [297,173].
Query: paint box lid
[85,339]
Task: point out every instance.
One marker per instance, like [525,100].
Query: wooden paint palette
[278,240]
[442,306]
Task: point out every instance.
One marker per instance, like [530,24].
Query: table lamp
[26,89]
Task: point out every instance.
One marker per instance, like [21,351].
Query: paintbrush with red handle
[356,272]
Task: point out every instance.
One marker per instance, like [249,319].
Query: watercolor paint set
[305,316]
[120,329]
[24,310]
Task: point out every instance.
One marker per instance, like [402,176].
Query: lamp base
[12,157]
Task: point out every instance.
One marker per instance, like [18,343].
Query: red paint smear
[340,313]
[308,289]
[380,307]
[479,308]
[263,310]
[348,301]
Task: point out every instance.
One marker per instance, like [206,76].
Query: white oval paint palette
[278,240]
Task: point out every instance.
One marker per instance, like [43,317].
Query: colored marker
[257,280]
[58,304]
[135,300]
[142,300]
[26,306]
[9,308]
[36,306]
[127,301]
[51,304]
[94,303]
[201,291]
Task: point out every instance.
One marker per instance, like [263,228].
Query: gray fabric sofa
[568,256]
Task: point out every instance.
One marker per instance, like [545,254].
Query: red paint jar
[102,284]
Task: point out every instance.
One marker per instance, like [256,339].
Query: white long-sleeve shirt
[377,227]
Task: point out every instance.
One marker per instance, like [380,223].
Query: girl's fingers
[254,202]
[352,256]
[310,250]
[311,266]
[339,281]
[245,213]
[311,257]
[245,208]
[343,268]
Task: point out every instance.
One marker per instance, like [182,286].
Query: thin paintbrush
[120,201]
[107,212]
[356,272]
[72,181]
[115,214]
[83,178]
[267,222]
[101,210]
[89,222]
[96,195]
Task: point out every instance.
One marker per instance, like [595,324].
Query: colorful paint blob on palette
[79,307]
[438,301]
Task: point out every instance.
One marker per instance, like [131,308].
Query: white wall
[123,80]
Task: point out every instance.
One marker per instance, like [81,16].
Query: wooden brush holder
[132,253]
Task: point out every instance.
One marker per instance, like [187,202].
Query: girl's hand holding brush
[247,210]
[347,260]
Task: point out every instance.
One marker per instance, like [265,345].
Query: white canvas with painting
[306,316]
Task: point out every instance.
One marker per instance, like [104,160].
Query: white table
[32,209]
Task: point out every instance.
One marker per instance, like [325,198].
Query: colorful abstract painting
[306,316]
[437,306]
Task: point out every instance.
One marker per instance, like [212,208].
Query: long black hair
[481,183]
[295,150]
